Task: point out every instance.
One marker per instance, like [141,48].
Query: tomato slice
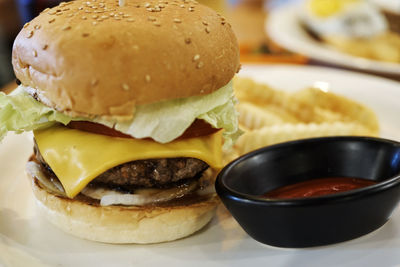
[198,128]
[96,128]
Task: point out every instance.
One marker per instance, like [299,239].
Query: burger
[130,106]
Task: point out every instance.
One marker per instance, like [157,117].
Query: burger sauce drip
[198,128]
[318,187]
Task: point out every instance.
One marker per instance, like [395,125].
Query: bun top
[97,58]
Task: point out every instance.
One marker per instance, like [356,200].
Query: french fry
[347,110]
[383,47]
[253,117]
[270,135]
[269,116]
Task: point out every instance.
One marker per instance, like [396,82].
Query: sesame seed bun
[97,58]
[123,224]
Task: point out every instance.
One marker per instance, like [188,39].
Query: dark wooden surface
[9,87]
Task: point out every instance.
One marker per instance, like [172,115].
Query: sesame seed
[200,65]
[94,82]
[182,6]
[26,24]
[80,8]
[59,13]
[47,9]
[138,5]
[131,20]
[94,23]
[30,34]
[126,16]
[147,5]
[156,23]
[66,28]
[95,16]
[121,13]
[223,22]
[52,20]
[148,78]
[34,53]
[104,17]
[112,14]
[196,57]
[177,20]
[188,40]
[52,12]
[66,9]
[84,18]
[117,18]
[44,47]
[85,34]
[205,23]
[125,87]
[151,18]
[207,29]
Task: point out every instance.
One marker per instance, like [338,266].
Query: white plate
[28,240]
[388,5]
[283,26]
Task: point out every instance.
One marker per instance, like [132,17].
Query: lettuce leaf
[20,112]
[163,121]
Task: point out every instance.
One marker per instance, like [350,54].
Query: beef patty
[144,173]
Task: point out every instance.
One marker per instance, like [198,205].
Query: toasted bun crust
[122,224]
[96,58]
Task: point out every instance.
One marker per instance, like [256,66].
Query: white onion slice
[140,197]
[209,190]
[35,171]
[125,199]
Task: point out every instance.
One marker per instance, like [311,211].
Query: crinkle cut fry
[270,135]
[270,116]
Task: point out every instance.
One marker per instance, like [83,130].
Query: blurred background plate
[283,25]
[26,239]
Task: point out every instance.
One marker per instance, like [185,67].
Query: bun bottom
[123,224]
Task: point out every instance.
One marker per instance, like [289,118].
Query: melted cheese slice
[77,157]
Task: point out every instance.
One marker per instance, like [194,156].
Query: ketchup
[318,187]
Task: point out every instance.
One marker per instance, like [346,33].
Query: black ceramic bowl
[305,222]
